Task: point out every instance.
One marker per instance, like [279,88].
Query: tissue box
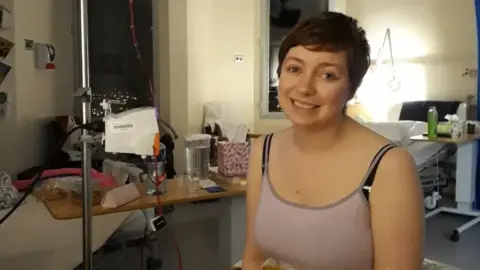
[233,158]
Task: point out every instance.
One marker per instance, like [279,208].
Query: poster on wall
[4,70]
[3,11]
[5,47]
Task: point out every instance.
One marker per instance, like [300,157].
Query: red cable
[159,179]
[158,182]
[132,22]
[135,46]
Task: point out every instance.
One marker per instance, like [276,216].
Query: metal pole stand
[87,140]
[85,93]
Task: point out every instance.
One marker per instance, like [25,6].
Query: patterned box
[233,158]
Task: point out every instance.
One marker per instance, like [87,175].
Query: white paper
[120,195]
[452,118]
[207,183]
[226,116]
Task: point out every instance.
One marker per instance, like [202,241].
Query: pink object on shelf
[233,158]
[105,181]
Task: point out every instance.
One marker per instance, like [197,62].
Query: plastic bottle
[432,120]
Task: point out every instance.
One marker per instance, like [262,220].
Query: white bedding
[32,239]
[400,132]
[424,151]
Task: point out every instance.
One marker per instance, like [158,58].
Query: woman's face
[313,86]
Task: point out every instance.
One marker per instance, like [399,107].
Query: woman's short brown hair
[332,32]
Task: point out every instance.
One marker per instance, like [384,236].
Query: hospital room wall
[197,42]
[433,40]
[34,95]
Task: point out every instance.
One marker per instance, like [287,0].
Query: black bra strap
[372,169]
[266,151]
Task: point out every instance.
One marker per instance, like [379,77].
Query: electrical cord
[145,235]
[137,51]
[432,200]
[151,88]
[158,182]
[394,84]
[98,126]
[158,210]
[158,179]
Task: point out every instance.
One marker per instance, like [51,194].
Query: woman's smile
[304,105]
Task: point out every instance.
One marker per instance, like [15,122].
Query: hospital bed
[33,239]
[433,160]
[464,165]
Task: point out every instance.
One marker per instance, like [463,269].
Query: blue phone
[215,189]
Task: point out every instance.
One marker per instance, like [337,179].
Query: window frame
[265,58]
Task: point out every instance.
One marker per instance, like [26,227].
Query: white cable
[386,39]
[393,83]
[431,201]
[437,174]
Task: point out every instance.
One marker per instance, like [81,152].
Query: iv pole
[84,92]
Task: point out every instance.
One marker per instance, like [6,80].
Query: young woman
[328,193]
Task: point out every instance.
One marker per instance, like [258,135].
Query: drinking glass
[192,180]
[152,176]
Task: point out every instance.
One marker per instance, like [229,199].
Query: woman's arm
[397,213]
[252,256]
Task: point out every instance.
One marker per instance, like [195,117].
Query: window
[115,71]
[280,17]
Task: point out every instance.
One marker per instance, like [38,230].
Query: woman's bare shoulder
[275,136]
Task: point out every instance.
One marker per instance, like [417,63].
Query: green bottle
[432,120]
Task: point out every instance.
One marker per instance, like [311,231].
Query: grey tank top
[336,236]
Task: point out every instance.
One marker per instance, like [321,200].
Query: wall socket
[470,72]
[29,44]
[238,58]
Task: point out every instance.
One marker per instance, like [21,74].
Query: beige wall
[433,42]
[198,41]
[197,44]
[35,95]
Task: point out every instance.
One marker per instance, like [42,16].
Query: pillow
[414,127]
[397,132]
[418,128]
[359,119]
